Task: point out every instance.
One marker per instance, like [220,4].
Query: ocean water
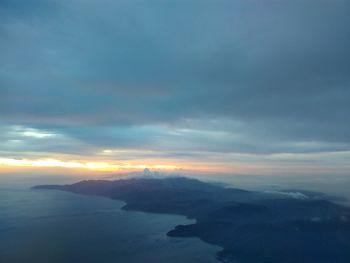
[43,226]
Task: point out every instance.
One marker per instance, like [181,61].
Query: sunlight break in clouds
[100,166]
[30,132]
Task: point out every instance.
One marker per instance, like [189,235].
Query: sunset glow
[155,90]
[98,166]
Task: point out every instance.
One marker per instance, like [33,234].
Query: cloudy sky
[258,87]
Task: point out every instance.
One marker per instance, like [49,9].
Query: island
[289,226]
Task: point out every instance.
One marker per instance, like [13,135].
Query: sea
[49,226]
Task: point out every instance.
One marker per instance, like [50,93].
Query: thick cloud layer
[256,77]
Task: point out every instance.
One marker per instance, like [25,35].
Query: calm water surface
[38,226]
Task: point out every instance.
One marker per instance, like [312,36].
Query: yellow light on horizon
[99,166]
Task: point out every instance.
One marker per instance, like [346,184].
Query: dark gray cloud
[212,76]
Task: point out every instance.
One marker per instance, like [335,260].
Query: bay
[39,226]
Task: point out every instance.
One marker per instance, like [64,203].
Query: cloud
[295,195]
[186,79]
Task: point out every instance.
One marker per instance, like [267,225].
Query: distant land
[252,227]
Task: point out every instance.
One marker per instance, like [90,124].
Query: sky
[242,86]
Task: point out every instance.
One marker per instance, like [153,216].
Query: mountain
[251,227]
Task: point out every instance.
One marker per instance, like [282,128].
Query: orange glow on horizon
[78,166]
[98,166]
[114,166]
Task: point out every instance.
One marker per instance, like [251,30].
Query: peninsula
[251,227]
